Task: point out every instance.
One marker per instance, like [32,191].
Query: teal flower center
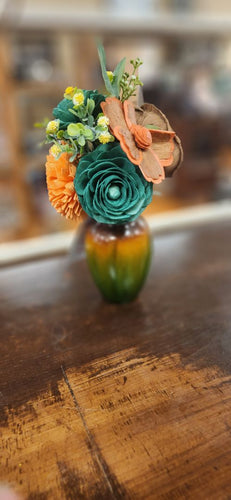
[114,192]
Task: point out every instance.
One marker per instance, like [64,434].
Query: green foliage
[113,87]
[120,84]
[129,83]
[68,113]
[75,130]
[88,134]
[60,134]
[102,60]
[90,106]
[118,73]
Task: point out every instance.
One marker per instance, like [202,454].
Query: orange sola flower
[145,136]
[60,174]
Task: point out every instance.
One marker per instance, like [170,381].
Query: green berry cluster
[129,83]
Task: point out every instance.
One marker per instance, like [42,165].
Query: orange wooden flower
[60,174]
[151,144]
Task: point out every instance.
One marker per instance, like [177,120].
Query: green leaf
[65,135]
[72,130]
[60,134]
[99,129]
[72,158]
[73,112]
[102,60]
[119,70]
[73,144]
[75,129]
[81,112]
[90,106]
[88,134]
[81,140]
[90,121]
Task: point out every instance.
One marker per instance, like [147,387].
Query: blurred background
[46,45]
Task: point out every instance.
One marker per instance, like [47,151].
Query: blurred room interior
[46,45]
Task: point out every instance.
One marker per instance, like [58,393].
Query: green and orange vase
[118,257]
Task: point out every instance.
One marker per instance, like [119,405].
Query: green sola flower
[62,113]
[110,188]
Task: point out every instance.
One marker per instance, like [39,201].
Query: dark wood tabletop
[102,401]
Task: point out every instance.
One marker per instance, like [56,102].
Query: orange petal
[60,176]
[113,109]
[151,167]
[128,144]
[129,113]
[142,136]
[163,145]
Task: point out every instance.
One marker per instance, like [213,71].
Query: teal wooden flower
[110,188]
[62,113]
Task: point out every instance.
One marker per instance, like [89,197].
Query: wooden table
[103,401]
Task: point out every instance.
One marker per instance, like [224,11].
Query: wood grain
[103,401]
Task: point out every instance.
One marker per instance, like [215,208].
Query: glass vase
[119,258]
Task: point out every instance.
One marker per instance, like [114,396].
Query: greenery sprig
[119,83]
[129,83]
[89,127]
[111,80]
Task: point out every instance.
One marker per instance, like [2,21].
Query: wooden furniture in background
[100,401]
[67,52]
[12,126]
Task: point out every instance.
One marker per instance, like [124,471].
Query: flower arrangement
[107,153]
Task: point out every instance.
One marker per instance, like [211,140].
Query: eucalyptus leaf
[90,106]
[73,130]
[73,112]
[90,121]
[88,134]
[81,140]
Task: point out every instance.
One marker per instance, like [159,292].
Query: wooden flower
[145,136]
[110,188]
[60,174]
